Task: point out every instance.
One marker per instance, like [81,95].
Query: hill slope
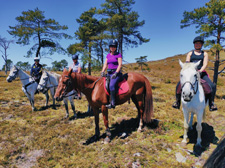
[45,139]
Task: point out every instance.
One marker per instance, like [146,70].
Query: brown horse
[92,87]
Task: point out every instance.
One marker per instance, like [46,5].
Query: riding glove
[114,75]
[102,74]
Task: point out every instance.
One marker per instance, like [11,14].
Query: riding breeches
[114,82]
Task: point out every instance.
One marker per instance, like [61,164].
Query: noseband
[192,85]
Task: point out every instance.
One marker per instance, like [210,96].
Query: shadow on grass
[123,129]
[208,136]
[47,107]
[81,115]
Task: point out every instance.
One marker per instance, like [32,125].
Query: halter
[192,85]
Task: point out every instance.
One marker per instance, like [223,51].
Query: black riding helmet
[113,43]
[198,39]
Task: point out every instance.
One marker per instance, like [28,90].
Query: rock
[180,158]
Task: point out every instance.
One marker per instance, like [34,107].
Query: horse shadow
[82,115]
[208,136]
[123,129]
[47,107]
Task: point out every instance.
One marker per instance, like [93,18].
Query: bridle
[45,88]
[192,85]
[16,74]
[70,83]
[65,93]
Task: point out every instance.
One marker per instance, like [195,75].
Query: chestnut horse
[92,87]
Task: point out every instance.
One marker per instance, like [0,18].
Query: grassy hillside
[43,138]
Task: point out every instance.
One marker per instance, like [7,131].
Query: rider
[36,70]
[114,62]
[194,56]
[75,66]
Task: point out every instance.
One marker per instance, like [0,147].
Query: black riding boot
[113,100]
[212,106]
[176,104]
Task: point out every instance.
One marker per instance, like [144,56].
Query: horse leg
[65,100]
[47,98]
[186,118]
[31,98]
[191,121]
[139,106]
[52,91]
[73,107]
[106,123]
[199,128]
[97,131]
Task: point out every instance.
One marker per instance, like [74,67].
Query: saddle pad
[123,87]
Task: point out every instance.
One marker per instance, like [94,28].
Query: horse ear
[181,63]
[65,70]
[70,71]
[197,64]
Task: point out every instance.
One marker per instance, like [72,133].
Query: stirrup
[212,107]
[109,106]
[176,105]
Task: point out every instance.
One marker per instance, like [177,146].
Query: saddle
[122,86]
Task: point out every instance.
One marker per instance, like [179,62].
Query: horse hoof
[184,141]
[139,130]
[107,140]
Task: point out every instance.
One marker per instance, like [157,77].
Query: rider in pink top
[114,63]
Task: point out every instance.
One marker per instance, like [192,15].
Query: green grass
[43,138]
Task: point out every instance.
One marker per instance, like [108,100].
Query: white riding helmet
[36,59]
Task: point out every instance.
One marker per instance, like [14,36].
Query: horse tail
[148,102]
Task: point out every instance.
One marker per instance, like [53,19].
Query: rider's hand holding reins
[102,74]
[114,75]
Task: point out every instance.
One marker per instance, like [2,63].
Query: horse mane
[55,75]
[84,79]
[217,159]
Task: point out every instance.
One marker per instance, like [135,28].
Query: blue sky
[162,26]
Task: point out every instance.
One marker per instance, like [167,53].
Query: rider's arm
[205,62]
[79,69]
[104,66]
[120,65]
[188,58]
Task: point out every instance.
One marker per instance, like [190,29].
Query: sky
[162,26]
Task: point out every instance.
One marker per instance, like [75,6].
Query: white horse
[29,85]
[192,97]
[49,81]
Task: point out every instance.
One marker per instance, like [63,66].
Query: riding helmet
[113,43]
[36,58]
[75,57]
[198,39]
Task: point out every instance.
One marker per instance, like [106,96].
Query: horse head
[189,79]
[13,74]
[42,86]
[64,86]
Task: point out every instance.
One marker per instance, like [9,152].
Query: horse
[49,81]
[92,87]
[192,98]
[29,85]
[217,159]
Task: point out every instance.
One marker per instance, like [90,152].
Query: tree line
[115,19]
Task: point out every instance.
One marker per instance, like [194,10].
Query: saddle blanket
[123,87]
